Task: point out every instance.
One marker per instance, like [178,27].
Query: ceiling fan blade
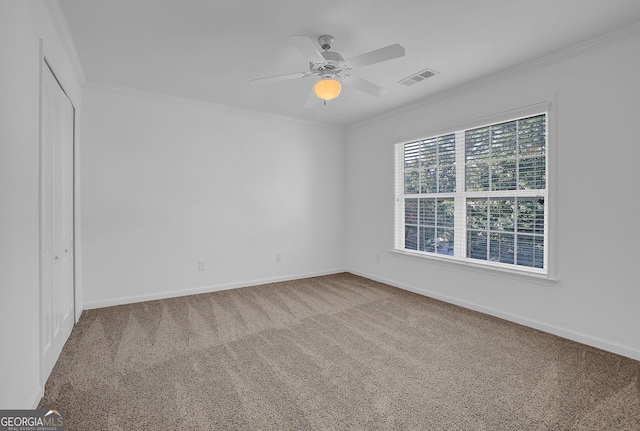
[312,100]
[307,48]
[284,77]
[365,86]
[383,54]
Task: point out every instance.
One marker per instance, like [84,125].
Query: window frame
[545,275]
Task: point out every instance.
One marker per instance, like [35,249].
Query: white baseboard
[34,400]
[569,334]
[205,289]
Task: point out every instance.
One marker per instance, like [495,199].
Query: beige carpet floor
[338,352]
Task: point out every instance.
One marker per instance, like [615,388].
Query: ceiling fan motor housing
[333,60]
[334,64]
[326,41]
[329,72]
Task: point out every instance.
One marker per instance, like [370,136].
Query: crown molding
[185,101]
[62,28]
[554,57]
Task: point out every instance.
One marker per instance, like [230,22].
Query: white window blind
[477,194]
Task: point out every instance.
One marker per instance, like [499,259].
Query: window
[477,195]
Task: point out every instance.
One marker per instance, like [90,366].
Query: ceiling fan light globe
[327,88]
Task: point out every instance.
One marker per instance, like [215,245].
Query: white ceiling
[209,49]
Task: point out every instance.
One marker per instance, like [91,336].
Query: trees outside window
[477,194]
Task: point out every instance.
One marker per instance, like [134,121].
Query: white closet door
[57,291]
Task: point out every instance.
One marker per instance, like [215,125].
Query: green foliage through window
[502,171]
[507,156]
[429,225]
[429,165]
[507,230]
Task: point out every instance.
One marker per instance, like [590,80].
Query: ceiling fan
[333,69]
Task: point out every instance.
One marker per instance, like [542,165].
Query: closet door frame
[46,262]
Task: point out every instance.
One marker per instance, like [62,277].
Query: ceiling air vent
[417,77]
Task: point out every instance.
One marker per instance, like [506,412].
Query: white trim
[537,106]
[60,23]
[77,215]
[538,63]
[205,289]
[41,65]
[35,398]
[62,28]
[550,212]
[117,89]
[492,268]
[46,61]
[569,334]
[63,80]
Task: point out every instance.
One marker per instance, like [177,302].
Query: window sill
[516,274]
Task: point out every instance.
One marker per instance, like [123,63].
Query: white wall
[22,25]
[168,182]
[597,297]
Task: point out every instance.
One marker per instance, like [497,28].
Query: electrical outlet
[201,265]
[377,257]
[278,257]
